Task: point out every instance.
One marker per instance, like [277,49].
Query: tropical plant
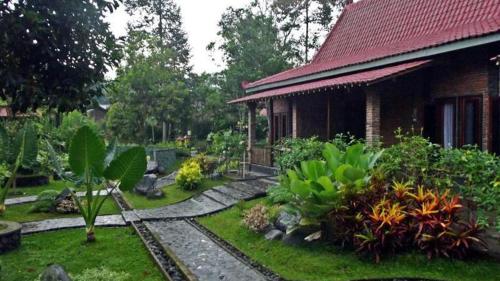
[227,146]
[289,152]
[17,152]
[189,176]
[45,201]
[90,163]
[321,186]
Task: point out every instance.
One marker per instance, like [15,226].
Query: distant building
[100,109]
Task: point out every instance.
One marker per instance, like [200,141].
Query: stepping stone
[197,206]
[130,216]
[233,192]
[20,200]
[220,197]
[242,186]
[56,224]
[203,257]
[30,199]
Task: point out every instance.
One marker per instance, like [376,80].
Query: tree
[54,53]
[303,22]
[251,48]
[163,19]
[147,91]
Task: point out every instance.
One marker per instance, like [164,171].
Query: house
[100,108]
[422,64]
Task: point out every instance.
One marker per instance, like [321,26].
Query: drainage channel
[168,267]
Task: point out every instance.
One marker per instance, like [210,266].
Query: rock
[297,237]
[67,206]
[147,183]
[286,221]
[274,234]
[155,193]
[55,272]
[65,194]
[161,170]
[152,167]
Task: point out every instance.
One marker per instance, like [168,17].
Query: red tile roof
[375,29]
[366,77]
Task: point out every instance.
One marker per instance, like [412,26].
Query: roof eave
[420,54]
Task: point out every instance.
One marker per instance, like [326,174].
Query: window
[459,121]
[280,125]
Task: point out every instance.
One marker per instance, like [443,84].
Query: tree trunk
[164,131]
[90,233]
[307,32]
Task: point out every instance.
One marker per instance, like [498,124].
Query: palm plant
[16,152]
[92,166]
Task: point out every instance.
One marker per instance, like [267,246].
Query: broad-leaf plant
[16,151]
[93,164]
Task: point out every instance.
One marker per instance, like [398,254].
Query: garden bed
[325,262]
[173,194]
[118,249]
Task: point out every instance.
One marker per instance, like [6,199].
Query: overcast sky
[200,18]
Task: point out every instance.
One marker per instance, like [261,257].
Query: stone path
[29,199]
[204,258]
[55,224]
[201,256]
[210,201]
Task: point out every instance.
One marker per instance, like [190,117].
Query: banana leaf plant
[16,152]
[93,164]
[320,186]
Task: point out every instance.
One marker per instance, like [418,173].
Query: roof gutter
[460,45]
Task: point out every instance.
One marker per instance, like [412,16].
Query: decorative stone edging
[10,237]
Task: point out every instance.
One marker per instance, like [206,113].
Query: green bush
[319,186]
[101,274]
[290,152]
[189,176]
[227,144]
[45,202]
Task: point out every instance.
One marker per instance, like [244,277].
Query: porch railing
[262,156]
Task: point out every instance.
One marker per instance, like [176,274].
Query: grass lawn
[173,194]
[35,190]
[118,249]
[327,263]
[19,213]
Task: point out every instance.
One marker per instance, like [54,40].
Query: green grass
[35,190]
[173,194]
[19,213]
[328,263]
[118,249]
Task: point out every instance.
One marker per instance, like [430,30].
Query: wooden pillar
[328,117]
[372,117]
[251,128]
[270,114]
[295,119]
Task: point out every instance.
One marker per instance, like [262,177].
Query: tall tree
[303,22]
[146,92]
[54,53]
[163,19]
[251,48]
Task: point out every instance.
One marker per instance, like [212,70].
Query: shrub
[45,201]
[256,218]
[189,176]
[290,152]
[207,164]
[101,274]
[318,187]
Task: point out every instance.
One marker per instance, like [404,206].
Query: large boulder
[286,221]
[146,184]
[273,234]
[152,167]
[55,272]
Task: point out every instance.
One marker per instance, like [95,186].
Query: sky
[200,18]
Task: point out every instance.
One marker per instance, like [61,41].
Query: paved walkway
[203,257]
[29,199]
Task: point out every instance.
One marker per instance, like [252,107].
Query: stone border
[10,237]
